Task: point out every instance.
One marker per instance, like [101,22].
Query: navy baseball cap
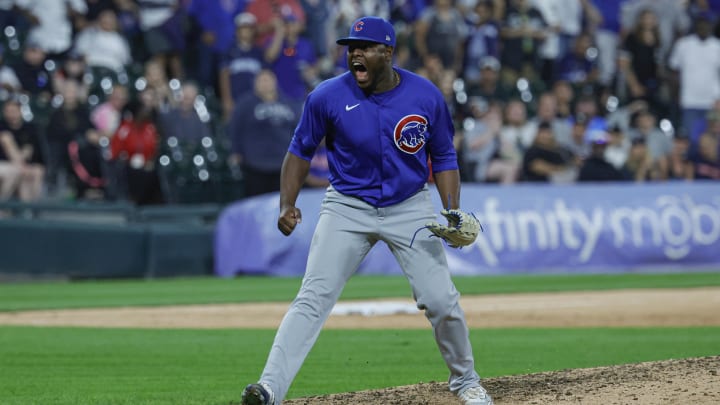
[371,29]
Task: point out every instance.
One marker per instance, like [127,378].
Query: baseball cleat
[475,396]
[258,394]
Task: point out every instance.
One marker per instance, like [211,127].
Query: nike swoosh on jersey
[350,107]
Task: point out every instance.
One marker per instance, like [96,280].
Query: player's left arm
[448,185]
[443,154]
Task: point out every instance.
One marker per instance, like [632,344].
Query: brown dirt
[688,381]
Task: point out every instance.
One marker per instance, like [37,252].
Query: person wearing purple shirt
[579,66]
[241,64]
[292,58]
[217,32]
[483,41]
[260,129]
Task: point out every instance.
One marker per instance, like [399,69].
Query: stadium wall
[106,241]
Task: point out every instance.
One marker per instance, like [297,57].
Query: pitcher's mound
[686,381]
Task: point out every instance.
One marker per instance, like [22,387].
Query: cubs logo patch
[410,133]
[359,26]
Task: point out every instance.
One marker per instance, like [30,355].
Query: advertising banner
[619,227]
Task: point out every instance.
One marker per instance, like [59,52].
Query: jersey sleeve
[442,150]
[310,129]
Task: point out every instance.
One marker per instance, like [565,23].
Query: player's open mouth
[361,73]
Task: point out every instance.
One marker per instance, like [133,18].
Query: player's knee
[312,305]
[439,306]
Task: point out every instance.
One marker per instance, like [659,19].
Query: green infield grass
[77,366]
[206,290]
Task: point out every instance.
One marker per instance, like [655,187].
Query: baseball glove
[461,230]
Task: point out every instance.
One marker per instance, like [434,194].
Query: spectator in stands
[52,23]
[564,96]
[544,161]
[431,69]
[9,176]
[72,69]
[67,122]
[107,116]
[483,41]
[547,112]
[481,143]
[673,20]
[587,105]
[577,141]
[260,130]
[241,64]
[607,37]
[700,125]
[215,19]
[517,129]
[638,62]
[103,47]
[9,82]
[317,26]
[156,79]
[680,165]
[618,147]
[7,15]
[489,87]
[707,159]
[22,147]
[564,19]
[183,121]
[596,168]
[696,59]
[579,65]
[34,77]
[446,84]
[94,9]
[89,167]
[134,148]
[162,26]
[639,163]
[269,12]
[292,58]
[523,31]
[711,8]
[441,30]
[659,144]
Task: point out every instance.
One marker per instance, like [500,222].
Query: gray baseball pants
[346,230]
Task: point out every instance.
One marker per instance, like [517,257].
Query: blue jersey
[378,145]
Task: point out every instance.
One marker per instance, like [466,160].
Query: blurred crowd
[173,101]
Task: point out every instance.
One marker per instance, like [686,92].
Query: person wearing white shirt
[102,45]
[696,58]
[51,22]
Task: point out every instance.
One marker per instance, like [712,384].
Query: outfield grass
[140,366]
[129,366]
[87,294]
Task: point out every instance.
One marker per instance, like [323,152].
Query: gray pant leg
[425,266]
[339,244]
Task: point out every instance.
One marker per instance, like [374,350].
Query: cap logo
[387,38]
[359,26]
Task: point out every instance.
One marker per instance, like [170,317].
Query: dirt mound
[686,381]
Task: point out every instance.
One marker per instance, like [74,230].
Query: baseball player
[380,125]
